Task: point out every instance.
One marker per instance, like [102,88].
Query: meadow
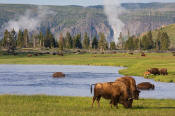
[41,105]
[136,64]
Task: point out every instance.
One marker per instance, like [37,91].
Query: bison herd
[123,91]
[156,71]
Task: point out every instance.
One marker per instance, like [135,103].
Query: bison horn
[130,98]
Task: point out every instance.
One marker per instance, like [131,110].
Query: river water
[37,79]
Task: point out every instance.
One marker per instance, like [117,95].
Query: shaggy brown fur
[131,85]
[58,75]
[115,91]
[145,86]
[154,71]
[163,71]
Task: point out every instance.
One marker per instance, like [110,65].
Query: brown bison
[154,71]
[145,86]
[29,55]
[163,71]
[131,85]
[143,54]
[117,92]
[58,75]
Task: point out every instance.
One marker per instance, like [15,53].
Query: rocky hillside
[138,18]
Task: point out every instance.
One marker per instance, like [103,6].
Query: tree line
[146,42]
[24,39]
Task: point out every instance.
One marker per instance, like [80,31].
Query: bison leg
[98,100]
[113,101]
[93,100]
[116,103]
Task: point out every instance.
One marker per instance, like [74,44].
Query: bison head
[128,103]
[136,94]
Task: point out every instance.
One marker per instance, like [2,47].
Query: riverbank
[41,105]
[136,64]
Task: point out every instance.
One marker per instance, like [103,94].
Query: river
[37,79]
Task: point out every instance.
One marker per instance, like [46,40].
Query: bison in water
[163,71]
[131,85]
[58,75]
[117,92]
[154,71]
[145,86]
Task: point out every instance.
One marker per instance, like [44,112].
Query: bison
[145,86]
[58,75]
[163,71]
[154,71]
[117,92]
[131,85]
[143,54]
[29,55]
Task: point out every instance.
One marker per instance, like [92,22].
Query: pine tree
[95,43]
[49,40]
[77,41]
[147,42]
[164,41]
[129,45]
[13,43]
[86,41]
[102,44]
[157,44]
[120,41]
[6,39]
[112,46]
[26,38]
[68,41]
[20,39]
[41,39]
[61,42]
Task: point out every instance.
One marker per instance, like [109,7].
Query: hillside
[138,18]
[170,29]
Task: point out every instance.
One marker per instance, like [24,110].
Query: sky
[73,2]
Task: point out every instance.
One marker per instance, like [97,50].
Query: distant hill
[170,29]
[140,17]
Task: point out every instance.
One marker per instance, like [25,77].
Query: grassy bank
[79,106]
[135,63]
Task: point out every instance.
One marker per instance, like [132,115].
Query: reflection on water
[37,79]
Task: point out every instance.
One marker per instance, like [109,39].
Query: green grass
[136,64]
[41,105]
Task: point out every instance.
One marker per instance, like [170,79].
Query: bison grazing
[131,85]
[145,86]
[154,71]
[163,71]
[117,92]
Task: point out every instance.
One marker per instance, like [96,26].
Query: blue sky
[72,2]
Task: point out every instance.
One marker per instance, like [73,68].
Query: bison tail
[91,87]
